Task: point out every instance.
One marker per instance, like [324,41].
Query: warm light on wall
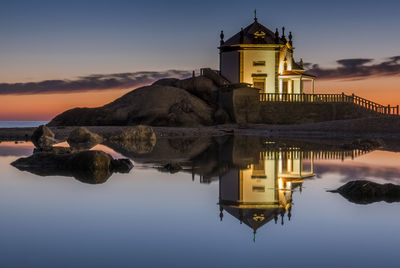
[280,183]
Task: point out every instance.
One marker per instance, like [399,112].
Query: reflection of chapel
[263,191]
[264,59]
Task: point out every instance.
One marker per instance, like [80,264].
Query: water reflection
[257,176]
[262,191]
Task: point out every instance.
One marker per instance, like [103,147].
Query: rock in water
[138,139]
[92,167]
[83,138]
[43,138]
[366,192]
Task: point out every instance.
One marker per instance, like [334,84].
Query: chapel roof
[255,33]
[254,218]
[296,66]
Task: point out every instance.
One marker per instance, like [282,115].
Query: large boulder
[152,105]
[92,167]
[202,87]
[366,192]
[83,138]
[172,82]
[43,138]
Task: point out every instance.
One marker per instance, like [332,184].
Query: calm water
[10,124]
[219,211]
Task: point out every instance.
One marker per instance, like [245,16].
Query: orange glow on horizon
[383,90]
[46,106]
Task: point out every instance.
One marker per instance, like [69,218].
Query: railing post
[397,109]
[389,109]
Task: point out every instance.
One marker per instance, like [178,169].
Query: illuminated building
[257,56]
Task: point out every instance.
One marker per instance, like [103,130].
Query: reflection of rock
[166,150]
[139,139]
[363,144]
[43,137]
[55,150]
[221,116]
[121,165]
[171,168]
[83,138]
[366,192]
[87,166]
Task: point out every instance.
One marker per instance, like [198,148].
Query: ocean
[10,124]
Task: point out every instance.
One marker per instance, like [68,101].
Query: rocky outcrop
[366,192]
[200,86]
[155,105]
[83,138]
[43,138]
[92,167]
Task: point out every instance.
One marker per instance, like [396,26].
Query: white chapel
[264,59]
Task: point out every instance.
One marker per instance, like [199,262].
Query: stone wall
[241,103]
[243,106]
[294,113]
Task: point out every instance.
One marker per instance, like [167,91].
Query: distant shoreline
[380,127]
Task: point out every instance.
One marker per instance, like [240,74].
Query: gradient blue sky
[48,40]
[63,39]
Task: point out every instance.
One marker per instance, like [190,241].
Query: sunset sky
[90,52]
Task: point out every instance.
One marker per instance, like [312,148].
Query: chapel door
[285,87]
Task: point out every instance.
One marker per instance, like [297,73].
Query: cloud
[359,68]
[91,82]
[350,173]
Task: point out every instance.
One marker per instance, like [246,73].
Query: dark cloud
[91,82]
[357,69]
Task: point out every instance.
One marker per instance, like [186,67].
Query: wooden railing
[330,98]
[312,154]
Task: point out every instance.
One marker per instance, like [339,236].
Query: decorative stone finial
[241,35]
[222,37]
[276,36]
[290,38]
[255,15]
[283,38]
